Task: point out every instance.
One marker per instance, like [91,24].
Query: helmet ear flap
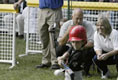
[77,33]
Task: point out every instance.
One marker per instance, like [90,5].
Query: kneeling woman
[105,45]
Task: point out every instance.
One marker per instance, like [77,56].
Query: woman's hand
[102,56]
[98,56]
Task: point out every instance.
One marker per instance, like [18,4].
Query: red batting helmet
[77,33]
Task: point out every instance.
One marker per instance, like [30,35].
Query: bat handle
[64,65]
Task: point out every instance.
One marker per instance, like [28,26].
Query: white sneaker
[59,72]
[107,75]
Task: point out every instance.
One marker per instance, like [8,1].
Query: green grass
[26,70]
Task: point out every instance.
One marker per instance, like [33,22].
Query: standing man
[49,13]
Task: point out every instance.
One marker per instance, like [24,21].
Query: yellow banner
[83,5]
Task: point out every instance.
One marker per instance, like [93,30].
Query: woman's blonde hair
[102,19]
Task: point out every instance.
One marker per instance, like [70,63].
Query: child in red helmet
[74,56]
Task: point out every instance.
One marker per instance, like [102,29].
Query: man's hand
[16,5]
[63,40]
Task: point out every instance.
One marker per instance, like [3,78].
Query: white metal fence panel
[7,38]
[33,44]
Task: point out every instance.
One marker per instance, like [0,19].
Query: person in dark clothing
[74,56]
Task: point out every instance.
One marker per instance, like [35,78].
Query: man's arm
[63,40]
[17,4]
[90,35]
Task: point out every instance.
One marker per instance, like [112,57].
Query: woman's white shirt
[108,43]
